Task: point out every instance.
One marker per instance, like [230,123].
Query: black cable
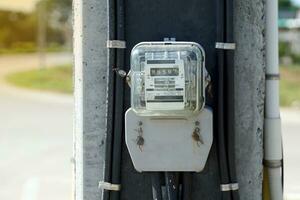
[187,185]
[118,104]
[222,155]
[110,97]
[156,185]
[282,169]
[230,100]
[172,185]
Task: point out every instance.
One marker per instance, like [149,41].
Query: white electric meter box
[168,127]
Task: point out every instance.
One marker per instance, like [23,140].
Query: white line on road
[30,189]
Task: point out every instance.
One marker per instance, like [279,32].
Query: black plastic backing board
[185,20]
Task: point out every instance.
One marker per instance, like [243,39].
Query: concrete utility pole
[249,97]
[90,36]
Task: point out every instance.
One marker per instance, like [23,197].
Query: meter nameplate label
[164,84]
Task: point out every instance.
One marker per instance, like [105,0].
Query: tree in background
[60,18]
[18,31]
[287,4]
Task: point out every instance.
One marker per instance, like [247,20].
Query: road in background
[23,62]
[35,137]
[291,137]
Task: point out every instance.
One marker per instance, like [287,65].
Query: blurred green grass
[29,47]
[56,79]
[290,85]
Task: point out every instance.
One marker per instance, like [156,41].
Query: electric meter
[167,79]
[168,127]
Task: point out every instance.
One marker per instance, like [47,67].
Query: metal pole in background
[42,33]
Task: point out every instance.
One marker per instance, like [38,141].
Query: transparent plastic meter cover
[167,79]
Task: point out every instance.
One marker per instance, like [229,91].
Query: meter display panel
[164,84]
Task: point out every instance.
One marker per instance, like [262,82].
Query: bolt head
[122,73]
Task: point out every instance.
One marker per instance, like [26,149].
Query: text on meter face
[164,85]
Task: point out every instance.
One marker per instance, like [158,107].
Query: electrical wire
[156,186]
[230,100]
[222,152]
[172,185]
[110,97]
[187,185]
[119,102]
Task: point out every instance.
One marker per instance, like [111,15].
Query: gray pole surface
[249,97]
[90,35]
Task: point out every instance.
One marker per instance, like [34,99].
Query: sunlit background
[18,5]
[36,98]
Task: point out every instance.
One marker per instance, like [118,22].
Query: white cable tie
[116,44]
[109,186]
[229,187]
[226,46]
